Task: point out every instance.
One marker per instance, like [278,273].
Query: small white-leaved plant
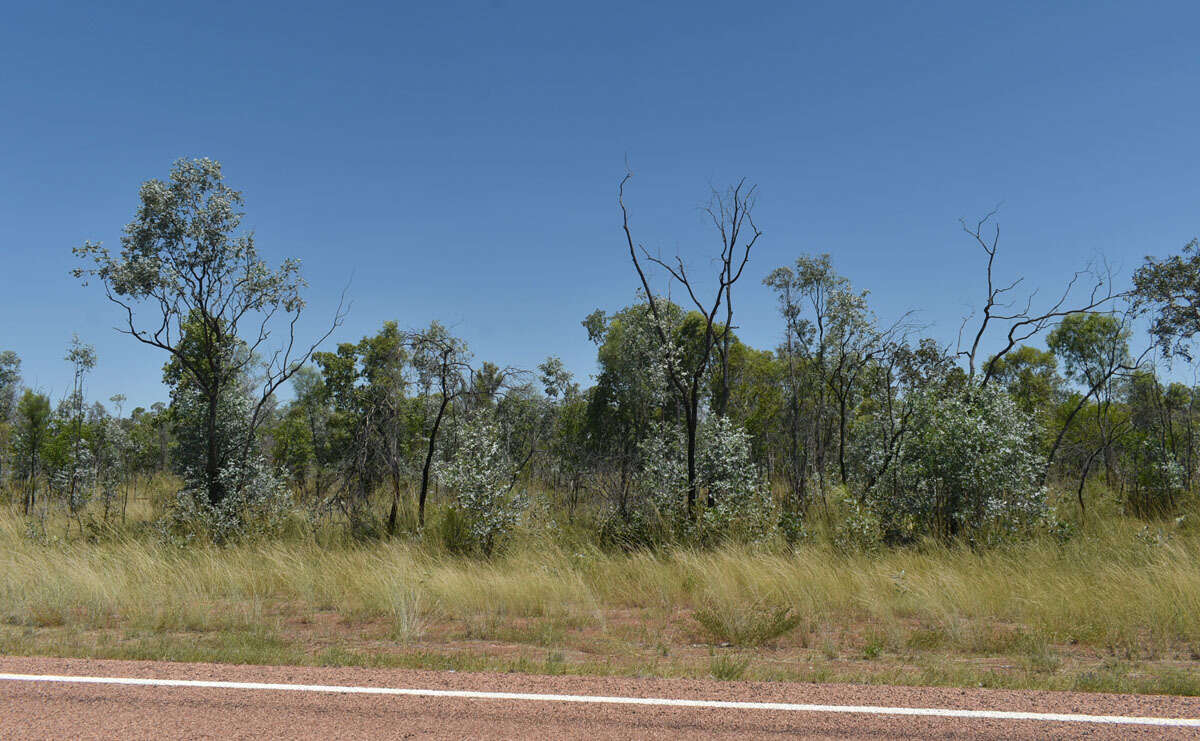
[742,506]
[482,474]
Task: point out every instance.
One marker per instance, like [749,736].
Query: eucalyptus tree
[1094,348]
[307,435]
[556,380]
[10,382]
[524,417]
[794,352]
[831,340]
[184,262]
[486,384]
[82,358]
[567,454]
[758,400]
[1171,288]
[442,364]
[1031,376]
[812,300]
[385,361]
[632,391]
[855,342]
[150,438]
[368,383]
[116,458]
[31,429]
[111,458]
[560,390]
[1160,461]
[893,383]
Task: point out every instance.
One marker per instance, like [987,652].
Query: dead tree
[1025,322]
[731,214]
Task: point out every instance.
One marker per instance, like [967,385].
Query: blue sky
[459,161]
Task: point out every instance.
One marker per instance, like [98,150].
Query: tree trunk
[212,466]
[842,439]
[691,456]
[429,462]
[1087,466]
[1059,438]
[29,495]
[391,526]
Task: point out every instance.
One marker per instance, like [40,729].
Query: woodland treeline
[1045,412]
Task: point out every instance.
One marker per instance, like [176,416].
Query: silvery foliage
[10,381]
[74,476]
[481,474]
[968,467]
[181,252]
[742,509]
[78,469]
[113,448]
[1158,480]
[257,499]
[860,529]
[258,503]
[662,477]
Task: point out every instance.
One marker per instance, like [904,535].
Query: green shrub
[745,625]
[967,469]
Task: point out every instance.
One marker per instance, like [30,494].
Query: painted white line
[725,704]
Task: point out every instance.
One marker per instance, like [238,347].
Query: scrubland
[1116,607]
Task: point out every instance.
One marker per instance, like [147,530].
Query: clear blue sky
[460,160]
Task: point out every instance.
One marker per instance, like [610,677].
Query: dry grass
[1113,609]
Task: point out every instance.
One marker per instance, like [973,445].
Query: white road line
[725,704]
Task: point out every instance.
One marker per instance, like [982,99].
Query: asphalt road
[31,709]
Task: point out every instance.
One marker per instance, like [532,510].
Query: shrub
[1158,481]
[742,507]
[483,475]
[258,502]
[661,480]
[861,529]
[745,625]
[967,468]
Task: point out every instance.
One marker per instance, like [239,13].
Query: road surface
[78,698]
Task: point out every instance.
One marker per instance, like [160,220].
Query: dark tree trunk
[691,462]
[1066,425]
[391,526]
[842,439]
[29,495]
[429,462]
